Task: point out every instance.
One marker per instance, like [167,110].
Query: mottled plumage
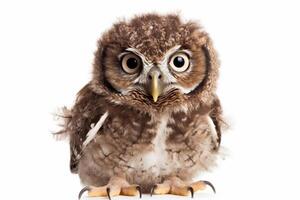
[117,129]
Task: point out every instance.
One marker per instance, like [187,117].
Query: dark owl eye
[131,63]
[180,62]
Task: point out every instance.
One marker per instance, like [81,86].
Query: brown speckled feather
[86,111]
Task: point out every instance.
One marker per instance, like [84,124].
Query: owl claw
[210,185]
[83,190]
[108,193]
[192,191]
[138,188]
[152,190]
[176,186]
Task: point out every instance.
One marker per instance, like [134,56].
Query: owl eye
[180,62]
[131,63]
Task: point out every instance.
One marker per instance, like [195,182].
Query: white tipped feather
[94,130]
[212,128]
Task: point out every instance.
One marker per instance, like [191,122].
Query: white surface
[46,51]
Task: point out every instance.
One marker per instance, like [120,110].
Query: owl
[149,120]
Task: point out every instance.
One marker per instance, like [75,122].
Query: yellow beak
[155,89]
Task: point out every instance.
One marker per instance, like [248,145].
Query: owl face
[152,61]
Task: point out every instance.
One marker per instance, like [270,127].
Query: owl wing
[82,122]
[217,119]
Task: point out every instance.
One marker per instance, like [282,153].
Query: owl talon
[201,185]
[131,190]
[115,187]
[108,193]
[139,189]
[152,190]
[192,191]
[210,185]
[82,191]
[176,186]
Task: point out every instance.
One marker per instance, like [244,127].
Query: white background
[46,52]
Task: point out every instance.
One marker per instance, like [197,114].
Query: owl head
[154,63]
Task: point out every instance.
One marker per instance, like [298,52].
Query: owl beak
[155,90]
[154,81]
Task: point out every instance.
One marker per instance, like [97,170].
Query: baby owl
[149,120]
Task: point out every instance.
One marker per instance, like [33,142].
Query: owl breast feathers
[150,110]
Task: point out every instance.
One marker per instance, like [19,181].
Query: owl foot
[116,186]
[176,186]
